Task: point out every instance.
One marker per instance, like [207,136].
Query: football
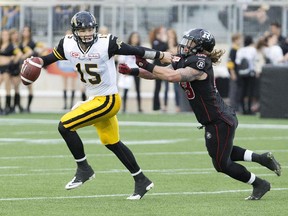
[30,70]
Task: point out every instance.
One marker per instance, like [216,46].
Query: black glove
[143,63]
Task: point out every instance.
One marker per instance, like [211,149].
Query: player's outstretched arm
[186,74]
[126,70]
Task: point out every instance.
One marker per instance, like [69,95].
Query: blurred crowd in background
[247,54]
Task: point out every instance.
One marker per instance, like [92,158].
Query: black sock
[73,142]
[127,158]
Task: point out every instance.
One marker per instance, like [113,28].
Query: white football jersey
[95,69]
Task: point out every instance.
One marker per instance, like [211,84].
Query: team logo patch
[200,64]
[208,135]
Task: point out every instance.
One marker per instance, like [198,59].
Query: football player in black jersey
[192,68]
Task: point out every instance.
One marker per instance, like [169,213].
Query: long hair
[215,55]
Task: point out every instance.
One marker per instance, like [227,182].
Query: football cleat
[268,160]
[259,190]
[141,188]
[80,177]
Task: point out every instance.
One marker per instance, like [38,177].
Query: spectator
[275,28]
[15,69]
[6,56]
[11,16]
[62,15]
[125,81]
[158,40]
[28,47]
[256,19]
[232,69]
[246,82]
[273,51]
[260,62]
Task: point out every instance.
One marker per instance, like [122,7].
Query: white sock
[252,178]
[248,155]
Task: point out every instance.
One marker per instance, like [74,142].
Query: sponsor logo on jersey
[94,55]
[88,57]
[75,54]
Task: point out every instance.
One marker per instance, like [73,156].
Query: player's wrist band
[152,54]
[149,67]
[134,71]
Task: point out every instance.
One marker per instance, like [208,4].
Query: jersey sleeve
[117,47]
[58,51]
[56,54]
[198,62]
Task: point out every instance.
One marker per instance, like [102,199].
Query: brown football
[31,70]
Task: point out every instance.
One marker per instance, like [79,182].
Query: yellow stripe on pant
[101,113]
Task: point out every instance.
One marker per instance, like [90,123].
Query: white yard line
[112,155]
[187,193]
[29,141]
[65,171]
[138,123]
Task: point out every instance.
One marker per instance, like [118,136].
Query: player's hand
[141,62]
[27,59]
[124,69]
[167,57]
[24,64]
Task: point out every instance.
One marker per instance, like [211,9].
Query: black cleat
[80,177]
[259,191]
[141,188]
[268,160]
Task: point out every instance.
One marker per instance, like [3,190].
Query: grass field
[35,165]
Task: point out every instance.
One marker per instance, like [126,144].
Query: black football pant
[219,142]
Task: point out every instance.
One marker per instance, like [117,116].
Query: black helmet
[83,20]
[203,40]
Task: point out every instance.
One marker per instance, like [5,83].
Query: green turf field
[35,165]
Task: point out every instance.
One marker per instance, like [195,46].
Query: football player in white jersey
[92,54]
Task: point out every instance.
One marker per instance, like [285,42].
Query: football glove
[143,63]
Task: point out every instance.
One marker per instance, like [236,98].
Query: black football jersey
[203,95]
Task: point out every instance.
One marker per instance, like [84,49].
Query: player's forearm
[146,74]
[166,73]
[49,59]
[146,53]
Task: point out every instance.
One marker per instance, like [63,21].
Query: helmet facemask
[188,46]
[87,39]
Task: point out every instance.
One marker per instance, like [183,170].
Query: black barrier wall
[274,92]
